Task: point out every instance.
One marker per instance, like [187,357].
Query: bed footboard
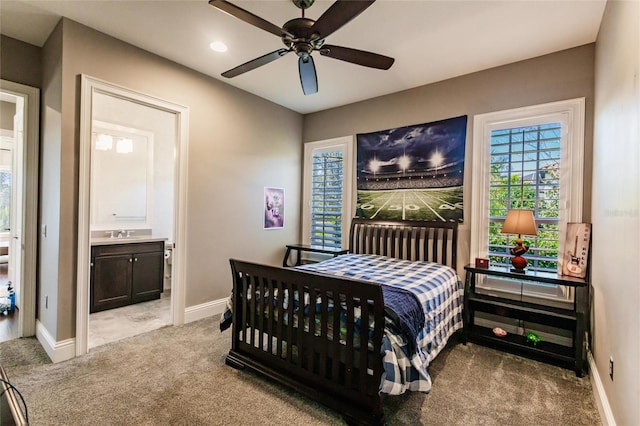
[318,334]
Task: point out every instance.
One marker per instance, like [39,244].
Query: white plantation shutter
[531,182]
[328,177]
[326,199]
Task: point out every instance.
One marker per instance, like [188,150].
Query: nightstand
[573,319]
[299,248]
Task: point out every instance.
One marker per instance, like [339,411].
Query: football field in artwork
[441,204]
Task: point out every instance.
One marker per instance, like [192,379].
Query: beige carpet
[177,376]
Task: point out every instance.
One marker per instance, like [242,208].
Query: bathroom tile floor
[120,323]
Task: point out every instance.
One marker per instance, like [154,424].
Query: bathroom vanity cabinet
[124,273]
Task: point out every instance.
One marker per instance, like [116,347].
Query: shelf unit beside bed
[572,319]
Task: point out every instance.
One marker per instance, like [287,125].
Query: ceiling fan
[304,36]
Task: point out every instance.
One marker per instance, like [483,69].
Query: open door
[120,115]
[19,195]
[11,195]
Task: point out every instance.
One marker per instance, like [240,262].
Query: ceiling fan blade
[248,17]
[338,14]
[308,78]
[255,63]
[359,57]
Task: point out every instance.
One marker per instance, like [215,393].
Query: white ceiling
[430,40]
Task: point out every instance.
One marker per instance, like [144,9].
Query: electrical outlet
[611,367]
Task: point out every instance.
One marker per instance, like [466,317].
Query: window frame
[571,113]
[346,145]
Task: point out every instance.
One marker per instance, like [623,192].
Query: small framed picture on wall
[273,208]
[575,258]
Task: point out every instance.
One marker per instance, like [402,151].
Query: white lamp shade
[520,222]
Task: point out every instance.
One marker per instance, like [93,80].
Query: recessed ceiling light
[218,46]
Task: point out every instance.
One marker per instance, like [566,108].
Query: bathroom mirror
[121,177]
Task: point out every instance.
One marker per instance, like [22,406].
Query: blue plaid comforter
[439,291]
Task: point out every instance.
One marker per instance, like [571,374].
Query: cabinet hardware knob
[135,259]
[130,260]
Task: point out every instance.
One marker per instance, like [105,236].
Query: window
[528,158]
[525,174]
[327,192]
[6,161]
[326,199]
[5,200]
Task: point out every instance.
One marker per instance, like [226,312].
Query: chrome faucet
[121,233]
[110,233]
[129,232]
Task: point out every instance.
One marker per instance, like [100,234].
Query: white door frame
[29,229]
[17,202]
[90,86]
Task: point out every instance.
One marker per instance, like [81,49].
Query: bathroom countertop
[103,241]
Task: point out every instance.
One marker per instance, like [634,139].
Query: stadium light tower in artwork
[374,166]
[404,162]
[436,159]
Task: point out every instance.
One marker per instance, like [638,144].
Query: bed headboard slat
[403,239]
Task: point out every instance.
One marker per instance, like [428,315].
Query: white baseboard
[57,351]
[66,349]
[204,310]
[606,415]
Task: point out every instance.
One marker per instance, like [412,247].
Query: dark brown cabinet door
[148,269]
[111,277]
[123,274]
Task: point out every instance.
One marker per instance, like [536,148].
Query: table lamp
[519,222]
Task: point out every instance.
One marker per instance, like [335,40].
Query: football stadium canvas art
[413,172]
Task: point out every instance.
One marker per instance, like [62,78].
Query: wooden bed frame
[312,359]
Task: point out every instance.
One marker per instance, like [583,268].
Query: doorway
[19,120]
[131,208]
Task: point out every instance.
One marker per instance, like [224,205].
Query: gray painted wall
[50,183]
[7,112]
[238,144]
[563,75]
[21,62]
[616,209]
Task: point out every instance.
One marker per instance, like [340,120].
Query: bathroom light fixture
[218,46]
[124,146]
[104,142]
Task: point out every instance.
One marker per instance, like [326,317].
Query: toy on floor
[533,338]
[499,332]
[8,303]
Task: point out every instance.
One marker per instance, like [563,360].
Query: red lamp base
[519,264]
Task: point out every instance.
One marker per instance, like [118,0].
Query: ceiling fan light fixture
[304,36]
[218,46]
